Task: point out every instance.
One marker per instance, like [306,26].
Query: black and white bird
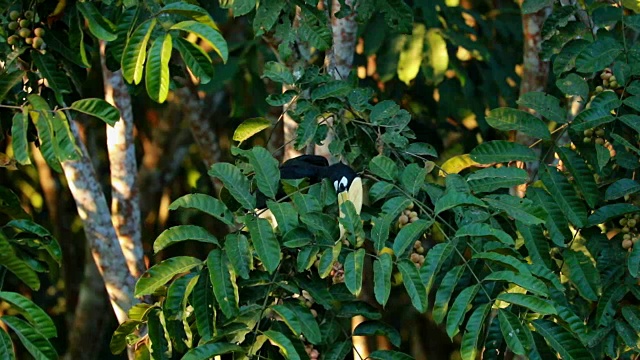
[345,180]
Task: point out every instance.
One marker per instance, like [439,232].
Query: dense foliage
[552,273]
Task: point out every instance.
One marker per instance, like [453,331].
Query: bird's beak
[354,194]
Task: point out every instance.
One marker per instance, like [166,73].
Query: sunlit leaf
[98,108]
[223,279]
[157,70]
[159,274]
[181,233]
[212,37]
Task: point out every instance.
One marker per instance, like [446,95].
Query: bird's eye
[335,185]
[343,184]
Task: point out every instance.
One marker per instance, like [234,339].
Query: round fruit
[14,15]
[403,219]
[623,221]
[588,132]
[626,244]
[24,32]
[417,244]
[612,78]
[29,41]
[586,140]
[37,42]
[631,223]
[13,40]
[420,250]
[415,257]
[625,230]
[627,237]
[28,14]
[39,32]
[24,23]
[613,84]
[600,141]
[13,25]
[410,207]
[600,132]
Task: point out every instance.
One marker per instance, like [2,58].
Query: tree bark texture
[125,206]
[101,236]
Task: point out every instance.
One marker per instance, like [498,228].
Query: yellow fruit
[410,207]
[386,250]
[417,244]
[420,250]
[414,219]
[626,244]
[24,32]
[13,40]
[625,230]
[623,221]
[403,219]
[415,257]
[413,214]
[631,223]
[39,32]
[612,78]
[29,41]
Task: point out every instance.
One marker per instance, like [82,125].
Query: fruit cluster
[313,353]
[337,273]
[629,230]
[609,81]
[408,216]
[417,256]
[597,133]
[21,25]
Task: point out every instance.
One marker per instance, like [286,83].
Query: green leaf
[203,302]
[181,233]
[522,209]
[382,268]
[306,257]
[383,110]
[48,67]
[634,262]
[598,55]
[350,220]
[536,243]
[436,62]
[289,318]
[507,261]
[608,212]
[383,167]
[408,235]
[609,303]
[266,170]
[353,268]
[286,215]
[632,314]
[627,333]
[327,259]
[602,156]
[419,148]
[264,242]
[8,81]
[582,176]
[545,105]
[561,340]
[433,262]
[380,230]
[191,11]
[445,290]
[453,199]
[331,89]
[43,121]
[412,178]
[99,25]
[160,347]
[177,294]
[606,100]
[211,350]
[514,332]
[308,324]
[583,274]
[98,108]
[161,273]
[564,195]
[237,249]
[533,303]
[459,309]
[195,58]
[591,118]
[135,52]
[6,346]
[573,84]
[235,182]
[66,145]
[157,70]
[205,203]
[37,345]
[512,119]
[621,188]
[471,337]
[632,121]
[413,284]
[34,314]
[266,16]
[19,142]
[479,229]
[491,179]
[533,6]
[277,72]
[376,328]
[527,282]
[282,341]
[389,355]
[379,190]
[223,279]
[211,36]
[411,54]
[17,266]
[250,127]
[501,151]
[555,222]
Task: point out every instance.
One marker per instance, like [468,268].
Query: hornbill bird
[345,180]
